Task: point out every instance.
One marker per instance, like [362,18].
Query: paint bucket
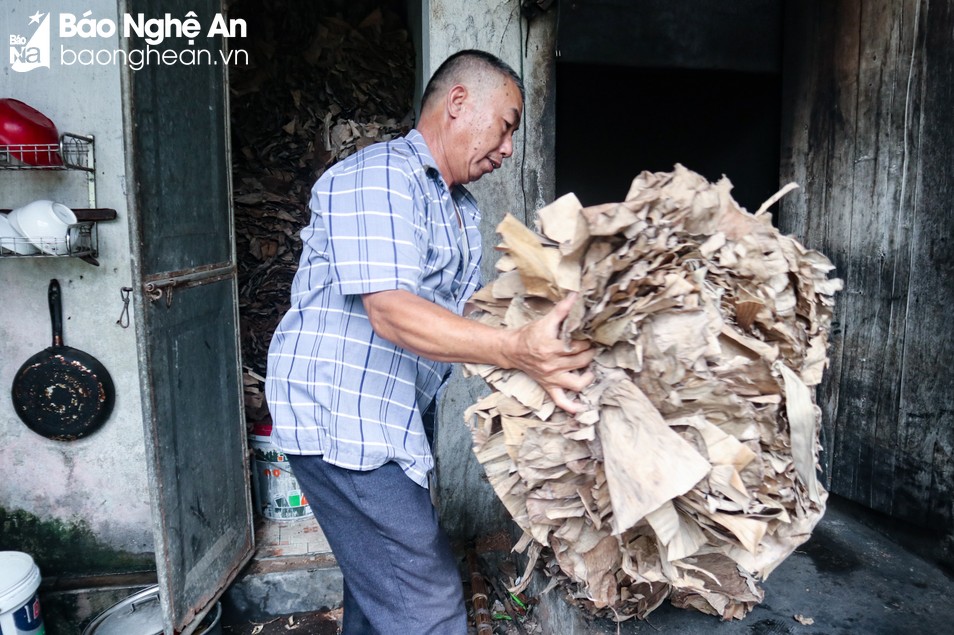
[19,604]
[141,614]
[275,489]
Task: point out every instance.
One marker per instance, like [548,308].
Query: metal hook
[123,320]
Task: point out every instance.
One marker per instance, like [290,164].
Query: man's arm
[433,332]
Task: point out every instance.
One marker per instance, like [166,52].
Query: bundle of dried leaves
[324,80]
[692,474]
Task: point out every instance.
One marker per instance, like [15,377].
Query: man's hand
[536,348]
[538,351]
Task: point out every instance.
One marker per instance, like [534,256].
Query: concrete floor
[848,578]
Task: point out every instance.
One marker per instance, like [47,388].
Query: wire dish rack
[80,241]
[73,152]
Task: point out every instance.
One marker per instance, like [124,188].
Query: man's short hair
[456,69]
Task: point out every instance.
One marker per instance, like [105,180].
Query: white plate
[12,240]
[45,224]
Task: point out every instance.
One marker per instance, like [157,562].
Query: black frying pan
[62,393]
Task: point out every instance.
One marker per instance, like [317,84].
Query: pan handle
[56,312]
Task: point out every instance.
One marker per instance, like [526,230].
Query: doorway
[324,79]
[645,86]
[614,122]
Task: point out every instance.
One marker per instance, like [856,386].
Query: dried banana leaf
[692,472]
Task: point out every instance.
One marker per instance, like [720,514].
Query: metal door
[184,263]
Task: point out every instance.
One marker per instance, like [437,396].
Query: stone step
[293,571]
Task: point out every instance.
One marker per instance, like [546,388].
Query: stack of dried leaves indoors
[324,79]
[692,474]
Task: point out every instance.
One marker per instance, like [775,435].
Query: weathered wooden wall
[868,132]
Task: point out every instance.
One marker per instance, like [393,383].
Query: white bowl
[45,224]
[12,240]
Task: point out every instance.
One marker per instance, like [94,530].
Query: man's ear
[456,97]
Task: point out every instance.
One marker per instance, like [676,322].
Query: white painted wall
[100,479]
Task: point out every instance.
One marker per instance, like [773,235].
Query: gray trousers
[400,575]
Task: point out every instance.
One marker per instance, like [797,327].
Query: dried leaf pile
[323,81]
[692,474]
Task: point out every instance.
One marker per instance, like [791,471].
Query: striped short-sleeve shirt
[381,219]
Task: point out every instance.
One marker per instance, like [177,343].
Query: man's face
[492,117]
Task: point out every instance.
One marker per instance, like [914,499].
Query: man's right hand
[538,350]
[431,331]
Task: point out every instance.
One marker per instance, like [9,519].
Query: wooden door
[184,262]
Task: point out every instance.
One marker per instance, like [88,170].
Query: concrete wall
[87,498]
[468,505]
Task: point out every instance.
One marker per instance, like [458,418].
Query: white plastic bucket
[274,487]
[19,604]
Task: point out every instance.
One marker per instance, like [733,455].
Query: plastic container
[19,604]
[275,489]
[141,614]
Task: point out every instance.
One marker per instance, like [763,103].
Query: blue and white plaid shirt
[382,219]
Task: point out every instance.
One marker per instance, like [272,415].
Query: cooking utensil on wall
[61,392]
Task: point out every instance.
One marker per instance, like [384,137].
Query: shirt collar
[417,142]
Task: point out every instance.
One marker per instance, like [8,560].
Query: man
[390,258]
